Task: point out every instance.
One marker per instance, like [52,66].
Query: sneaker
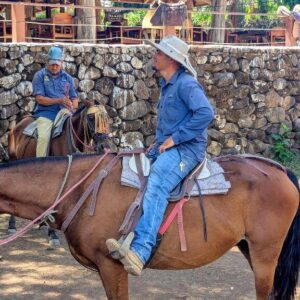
[132,263]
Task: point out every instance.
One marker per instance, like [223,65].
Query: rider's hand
[168,143]
[67,103]
[149,148]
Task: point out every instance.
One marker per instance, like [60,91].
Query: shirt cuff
[176,137]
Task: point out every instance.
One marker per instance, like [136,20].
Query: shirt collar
[58,74]
[173,79]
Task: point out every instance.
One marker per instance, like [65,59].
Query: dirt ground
[30,271]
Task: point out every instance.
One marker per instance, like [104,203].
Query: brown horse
[71,140]
[260,215]
[81,133]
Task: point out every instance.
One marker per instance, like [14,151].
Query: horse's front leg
[11,225]
[114,278]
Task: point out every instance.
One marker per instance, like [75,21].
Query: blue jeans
[164,176]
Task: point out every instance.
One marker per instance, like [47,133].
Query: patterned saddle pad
[31,130]
[215,183]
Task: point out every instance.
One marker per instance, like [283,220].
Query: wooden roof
[196,2]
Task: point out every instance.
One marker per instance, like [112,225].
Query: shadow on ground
[30,271]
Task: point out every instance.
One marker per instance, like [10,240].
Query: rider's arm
[72,93]
[202,112]
[50,101]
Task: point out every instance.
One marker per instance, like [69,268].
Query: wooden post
[289,25]
[48,10]
[190,29]
[62,9]
[218,21]
[18,22]
[98,16]
[86,16]
[169,30]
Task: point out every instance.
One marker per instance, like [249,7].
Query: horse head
[96,127]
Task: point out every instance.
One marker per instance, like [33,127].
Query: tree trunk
[218,21]
[87,16]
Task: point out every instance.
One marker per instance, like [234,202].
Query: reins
[78,138]
[53,206]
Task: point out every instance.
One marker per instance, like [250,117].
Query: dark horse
[260,214]
[85,131]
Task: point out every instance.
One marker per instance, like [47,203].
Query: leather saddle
[140,165]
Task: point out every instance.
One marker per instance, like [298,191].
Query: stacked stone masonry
[253,90]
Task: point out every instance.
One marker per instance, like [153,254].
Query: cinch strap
[176,210]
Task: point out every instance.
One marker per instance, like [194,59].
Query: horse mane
[36,160]
[79,110]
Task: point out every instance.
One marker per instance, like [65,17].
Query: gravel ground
[30,271]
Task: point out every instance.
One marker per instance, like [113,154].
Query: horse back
[19,145]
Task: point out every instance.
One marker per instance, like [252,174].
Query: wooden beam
[18,22]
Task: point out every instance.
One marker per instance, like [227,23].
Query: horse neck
[27,189]
[78,125]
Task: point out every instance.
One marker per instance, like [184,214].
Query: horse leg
[244,248]
[114,279]
[11,225]
[264,261]
[53,238]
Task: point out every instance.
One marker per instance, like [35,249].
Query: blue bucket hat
[55,56]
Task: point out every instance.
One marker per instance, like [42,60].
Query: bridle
[90,129]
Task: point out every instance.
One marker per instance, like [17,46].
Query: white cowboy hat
[283,11]
[176,49]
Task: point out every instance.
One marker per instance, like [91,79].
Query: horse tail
[287,271]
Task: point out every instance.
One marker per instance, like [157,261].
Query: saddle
[206,178]
[208,174]
[31,129]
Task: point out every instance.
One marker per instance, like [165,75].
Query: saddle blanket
[215,183]
[31,130]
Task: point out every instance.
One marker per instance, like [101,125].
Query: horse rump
[287,271]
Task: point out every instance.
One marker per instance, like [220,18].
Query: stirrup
[118,249]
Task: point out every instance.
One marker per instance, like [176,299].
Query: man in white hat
[184,114]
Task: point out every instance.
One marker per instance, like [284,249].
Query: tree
[86,16]
[290,3]
[218,21]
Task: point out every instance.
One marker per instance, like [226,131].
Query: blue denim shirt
[184,113]
[44,84]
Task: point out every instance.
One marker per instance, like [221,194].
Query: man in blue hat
[184,114]
[55,94]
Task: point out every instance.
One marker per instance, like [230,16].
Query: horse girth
[94,188]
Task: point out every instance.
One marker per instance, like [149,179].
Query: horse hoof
[54,243]
[11,231]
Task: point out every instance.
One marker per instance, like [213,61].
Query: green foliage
[261,6]
[294,164]
[289,3]
[135,18]
[41,15]
[201,19]
[282,146]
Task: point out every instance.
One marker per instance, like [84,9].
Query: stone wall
[253,90]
